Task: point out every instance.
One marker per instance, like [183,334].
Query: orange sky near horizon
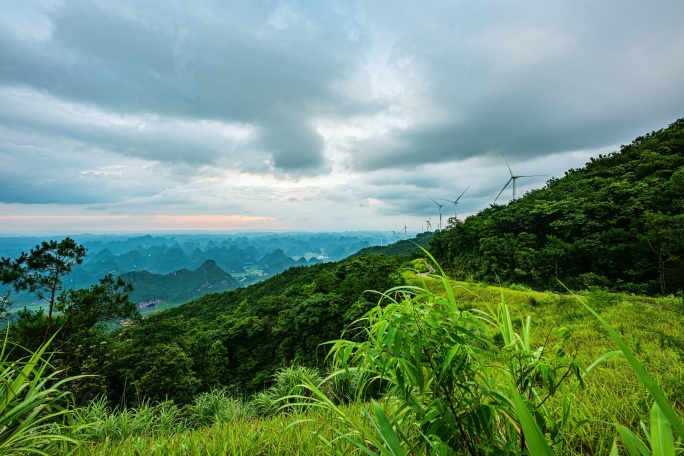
[159,222]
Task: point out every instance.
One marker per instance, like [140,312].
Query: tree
[665,237]
[5,304]
[41,271]
[105,302]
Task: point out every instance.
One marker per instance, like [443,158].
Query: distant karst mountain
[158,291]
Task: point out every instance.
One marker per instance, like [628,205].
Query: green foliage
[118,425]
[663,418]
[522,373]
[240,339]
[212,407]
[616,223]
[169,374]
[35,411]
[106,302]
[162,419]
[453,389]
[41,271]
[287,392]
[179,286]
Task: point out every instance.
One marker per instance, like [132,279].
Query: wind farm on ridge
[428,223]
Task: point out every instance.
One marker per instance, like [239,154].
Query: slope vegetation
[156,291]
[616,223]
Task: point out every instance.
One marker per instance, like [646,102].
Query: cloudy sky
[311,115]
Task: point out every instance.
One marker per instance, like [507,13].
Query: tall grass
[35,411]
[464,381]
[453,388]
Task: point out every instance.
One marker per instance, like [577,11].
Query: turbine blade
[433,200]
[461,194]
[504,188]
[509,166]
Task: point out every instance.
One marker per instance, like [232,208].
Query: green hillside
[240,338]
[617,223]
[159,291]
[407,248]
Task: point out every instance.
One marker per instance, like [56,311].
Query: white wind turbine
[394,234]
[428,224]
[405,230]
[513,179]
[440,212]
[456,202]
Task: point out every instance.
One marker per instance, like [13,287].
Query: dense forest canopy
[617,223]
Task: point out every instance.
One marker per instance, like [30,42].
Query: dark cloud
[295,146]
[236,64]
[535,81]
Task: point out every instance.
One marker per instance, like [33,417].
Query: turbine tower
[513,179]
[456,202]
[405,230]
[394,234]
[440,212]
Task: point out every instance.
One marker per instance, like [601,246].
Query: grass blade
[534,437]
[634,445]
[387,432]
[662,441]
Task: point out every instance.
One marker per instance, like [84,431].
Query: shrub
[288,392]
[214,407]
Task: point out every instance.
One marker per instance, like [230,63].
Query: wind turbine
[440,212]
[456,201]
[428,224]
[394,234]
[513,178]
[405,230]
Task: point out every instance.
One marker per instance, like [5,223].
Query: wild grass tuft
[35,410]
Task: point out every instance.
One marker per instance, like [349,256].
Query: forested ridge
[617,223]
[235,339]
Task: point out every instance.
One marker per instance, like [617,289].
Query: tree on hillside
[41,271]
[106,302]
[665,237]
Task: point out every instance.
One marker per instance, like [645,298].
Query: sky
[315,116]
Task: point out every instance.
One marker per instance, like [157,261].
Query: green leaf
[534,437]
[614,449]
[634,445]
[662,441]
[386,431]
